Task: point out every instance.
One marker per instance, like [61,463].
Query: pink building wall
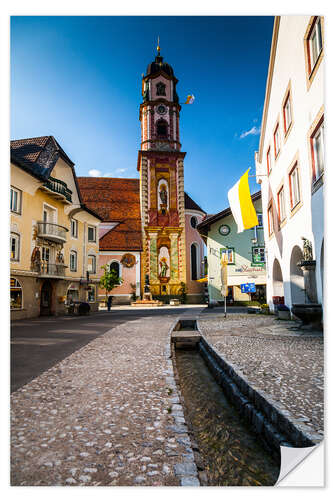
[123,292]
[192,236]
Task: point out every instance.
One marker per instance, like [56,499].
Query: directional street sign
[248,287]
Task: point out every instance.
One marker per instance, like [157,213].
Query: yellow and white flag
[190,99]
[241,204]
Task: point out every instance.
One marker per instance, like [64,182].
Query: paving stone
[184,469]
[139,479]
[275,357]
[189,481]
[109,396]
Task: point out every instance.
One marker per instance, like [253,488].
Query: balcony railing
[51,231]
[45,268]
[59,187]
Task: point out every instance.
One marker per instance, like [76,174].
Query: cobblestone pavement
[108,414]
[276,357]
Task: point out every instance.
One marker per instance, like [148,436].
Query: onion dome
[159,65]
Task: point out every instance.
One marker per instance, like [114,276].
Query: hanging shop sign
[248,269]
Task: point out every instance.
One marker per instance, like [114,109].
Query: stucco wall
[243,270]
[131,275]
[192,236]
[306,220]
[25,224]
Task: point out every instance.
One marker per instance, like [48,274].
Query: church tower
[161,167]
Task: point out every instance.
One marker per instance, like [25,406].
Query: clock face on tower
[161,110]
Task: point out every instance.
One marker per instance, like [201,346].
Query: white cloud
[95,173]
[116,173]
[253,131]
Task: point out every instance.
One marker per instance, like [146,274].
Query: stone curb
[270,420]
[185,471]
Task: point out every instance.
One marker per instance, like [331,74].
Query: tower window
[160,88]
[162,129]
[194,222]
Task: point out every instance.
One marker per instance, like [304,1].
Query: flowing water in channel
[230,451]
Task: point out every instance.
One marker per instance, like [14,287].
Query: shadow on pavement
[38,344]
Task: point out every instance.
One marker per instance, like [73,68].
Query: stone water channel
[230,453]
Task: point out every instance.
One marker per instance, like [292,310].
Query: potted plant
[108,282]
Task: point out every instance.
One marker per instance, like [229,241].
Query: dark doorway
[46,299]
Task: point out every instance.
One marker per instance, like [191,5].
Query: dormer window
[162,129]
[160,88]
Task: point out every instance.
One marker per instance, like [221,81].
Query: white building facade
[290,160]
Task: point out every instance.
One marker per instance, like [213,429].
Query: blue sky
[79,79]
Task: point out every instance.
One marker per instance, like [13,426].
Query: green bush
[166,298]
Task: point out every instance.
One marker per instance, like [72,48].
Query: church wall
[131,275]
[195,290]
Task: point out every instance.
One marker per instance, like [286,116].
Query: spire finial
[158,46]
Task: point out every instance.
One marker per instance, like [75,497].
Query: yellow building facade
[53,236]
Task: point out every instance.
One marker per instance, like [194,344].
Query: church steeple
[159,112]
[161,169]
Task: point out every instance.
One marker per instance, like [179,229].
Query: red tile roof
[115,200]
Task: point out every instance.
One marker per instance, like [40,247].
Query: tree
[109,280]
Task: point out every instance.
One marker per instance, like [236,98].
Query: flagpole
[225,306]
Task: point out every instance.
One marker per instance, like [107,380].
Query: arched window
[15,294]
[114,266]
[194,261]
[162,129]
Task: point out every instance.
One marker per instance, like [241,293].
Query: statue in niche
[60,257]
[164,267]
[160,88]
[307,249]
[164,195]
[35,259]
